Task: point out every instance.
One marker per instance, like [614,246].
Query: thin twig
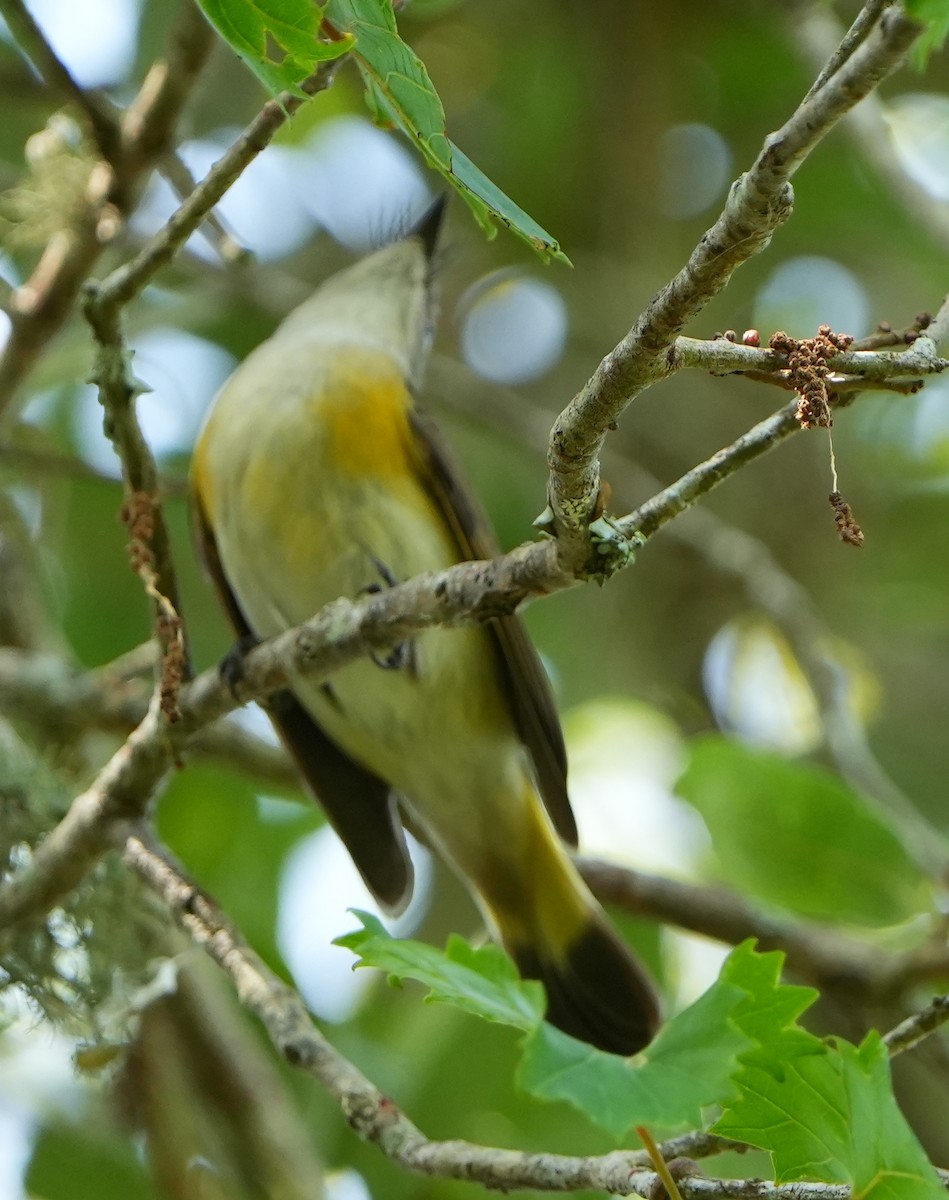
[35,461]
[149,123]
[128,280]
[720,357]
[41,306]
[372,1115]
[60,704]
[342,631]
[648,518]
[920,1025]
[855,36]
[100,114]
[120,792]
[830,960]
[759,202]
[179,175]
[815,29]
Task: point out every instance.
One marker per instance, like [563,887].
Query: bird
[316,475]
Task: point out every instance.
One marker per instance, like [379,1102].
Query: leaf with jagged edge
[688,1067]
[479,980]
[250,26]
[400,92]
[831,1117]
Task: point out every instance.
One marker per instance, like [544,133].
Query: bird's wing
[525,681]
[359,805]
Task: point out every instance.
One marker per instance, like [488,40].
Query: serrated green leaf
[797,836]
[825,1111]
[888,1161]
[831,1116]
[768,1014]
[687,1067]
[400,92]
[294,25]
[690,1065]
[482,981]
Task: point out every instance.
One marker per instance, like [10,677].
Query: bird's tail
[550,924]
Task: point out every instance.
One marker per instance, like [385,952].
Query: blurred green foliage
[565,109]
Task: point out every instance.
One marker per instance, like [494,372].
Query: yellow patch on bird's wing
[365,419]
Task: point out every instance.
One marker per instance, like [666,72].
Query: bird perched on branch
[316,477]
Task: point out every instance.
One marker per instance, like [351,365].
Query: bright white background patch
[94,38]
[756,688]
[695,164]
[513,327]
[919,124]
[624,760]
[318,888]
[361,184]
[806,292]
[183,371]
[263,210]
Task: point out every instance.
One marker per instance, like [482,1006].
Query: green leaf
[687,1067]
[798,836]
[831,1116]
[935,15]
[482,981]
[825,1111]
[294,25]
[400,92]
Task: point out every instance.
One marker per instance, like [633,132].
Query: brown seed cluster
[847,526]
[138,514]
[807,363]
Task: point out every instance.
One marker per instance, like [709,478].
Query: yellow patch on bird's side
[365,419]
[541,902]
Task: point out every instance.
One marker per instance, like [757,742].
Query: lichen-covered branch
[99,113]
[720,357]
[128,280]
[39,308]
[759,202]
[376,1118]
[340,632]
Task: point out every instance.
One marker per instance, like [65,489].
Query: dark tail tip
[428,226]
[598,991]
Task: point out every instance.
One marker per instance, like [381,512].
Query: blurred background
[619,132]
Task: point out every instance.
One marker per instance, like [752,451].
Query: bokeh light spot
[513,327]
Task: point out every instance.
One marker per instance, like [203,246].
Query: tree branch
[150,121]
[372,1115]
[339,633]
[40,307]
[829,960]
[816,29]
[759,202]
[128,280]
[99,113]
[920,1025]
[721,357]
[60,704]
